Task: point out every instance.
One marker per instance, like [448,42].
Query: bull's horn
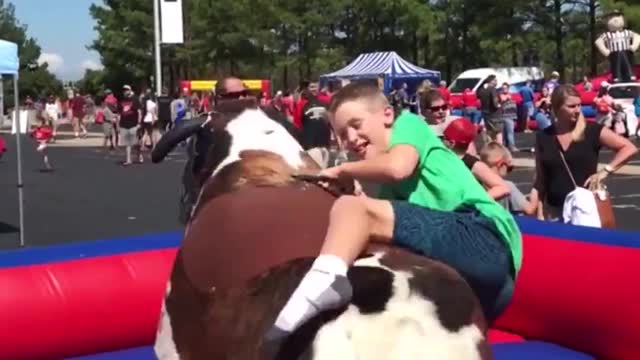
[175,136]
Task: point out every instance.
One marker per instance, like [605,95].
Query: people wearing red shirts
[287,103]
[325,95]
[109,98]
[297,109]
[446,94]
[77,104]
[470,103]
[3,147]
[205,103]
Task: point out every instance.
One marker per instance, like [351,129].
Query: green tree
[290,40]
[92,82]
[125,41]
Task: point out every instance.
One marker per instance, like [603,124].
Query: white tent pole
[1,100]
[19,152]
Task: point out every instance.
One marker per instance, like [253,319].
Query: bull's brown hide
[255,168]
[235,237]
[244,233]
[236,267]
[259,168]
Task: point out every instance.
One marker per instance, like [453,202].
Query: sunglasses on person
[444,107]
[505,163]
[234,94]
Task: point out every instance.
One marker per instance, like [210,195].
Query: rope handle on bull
[334,186]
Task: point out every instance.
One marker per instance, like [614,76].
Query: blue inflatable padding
[536,350]
[107,247]
[531,226]
[87,249]
[529,350]
[139,353]
[588,111]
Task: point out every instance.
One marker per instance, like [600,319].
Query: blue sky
[63,29]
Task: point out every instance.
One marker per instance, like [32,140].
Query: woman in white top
[52,114]
[149,120]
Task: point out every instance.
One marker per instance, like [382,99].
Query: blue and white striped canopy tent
[10,65]
[387,65]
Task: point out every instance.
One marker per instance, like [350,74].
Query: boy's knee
[349,203]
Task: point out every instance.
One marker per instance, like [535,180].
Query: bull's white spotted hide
[165,347]
[254,130]
[408,329]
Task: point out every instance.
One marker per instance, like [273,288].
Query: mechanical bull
[254,232]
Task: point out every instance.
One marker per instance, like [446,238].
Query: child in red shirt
[3,147]
[43,134]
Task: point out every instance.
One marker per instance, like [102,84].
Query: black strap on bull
[336,187]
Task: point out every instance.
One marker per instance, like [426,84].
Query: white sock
[324,287]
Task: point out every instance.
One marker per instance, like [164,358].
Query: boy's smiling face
[364,126]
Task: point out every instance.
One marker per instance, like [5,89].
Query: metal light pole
[19,153]
[156,25]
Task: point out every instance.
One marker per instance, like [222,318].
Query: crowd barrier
[576,297]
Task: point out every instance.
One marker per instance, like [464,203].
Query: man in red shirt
[470,103]
[298,106]
[325,95]
[78,112]
[446,95]
[110,98]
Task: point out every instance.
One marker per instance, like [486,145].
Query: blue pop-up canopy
[10,65]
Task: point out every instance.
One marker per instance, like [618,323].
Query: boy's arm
[394,165]
[520,202]
[494,183]
[534,200]
[539,183]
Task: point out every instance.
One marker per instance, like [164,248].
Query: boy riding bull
[432,205]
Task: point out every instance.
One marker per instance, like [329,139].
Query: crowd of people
[133,122]
[566,150]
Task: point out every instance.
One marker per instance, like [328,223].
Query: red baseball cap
[460,131]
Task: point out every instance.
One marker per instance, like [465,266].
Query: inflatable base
[574,297]
[528,350]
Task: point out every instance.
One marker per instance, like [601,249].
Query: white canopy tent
[9,65]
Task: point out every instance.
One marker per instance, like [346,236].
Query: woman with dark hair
[578,142]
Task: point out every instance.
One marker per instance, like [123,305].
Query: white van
[515,76]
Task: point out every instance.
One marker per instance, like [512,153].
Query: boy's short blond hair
[358,91]
[493,152]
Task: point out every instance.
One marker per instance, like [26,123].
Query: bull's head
[219,140]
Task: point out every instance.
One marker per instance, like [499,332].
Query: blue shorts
[465,240]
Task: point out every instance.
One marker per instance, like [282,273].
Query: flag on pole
[171,22]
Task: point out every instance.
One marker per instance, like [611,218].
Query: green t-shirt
[442,181]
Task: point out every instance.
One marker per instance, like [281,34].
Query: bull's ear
[175,136]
